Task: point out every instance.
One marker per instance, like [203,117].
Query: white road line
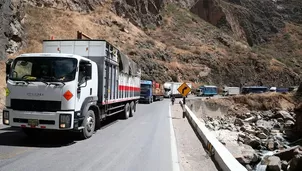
[175,162]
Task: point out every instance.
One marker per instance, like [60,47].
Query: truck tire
[132,109]
[126,113]
[135,104]
[149,101]
[89,124]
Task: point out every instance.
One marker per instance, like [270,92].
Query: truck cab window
[21,69]
[44,69]
[64,69]
[81,79]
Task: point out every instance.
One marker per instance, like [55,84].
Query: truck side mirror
[88,71]
[8,67]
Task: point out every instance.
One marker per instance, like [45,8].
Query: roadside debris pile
[264,138]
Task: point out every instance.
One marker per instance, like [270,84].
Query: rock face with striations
[73,5]
[298,110]
[255,21]
[10,29]
[12,16]
[140,12]
[146,13]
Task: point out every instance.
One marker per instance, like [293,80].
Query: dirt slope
[231,43]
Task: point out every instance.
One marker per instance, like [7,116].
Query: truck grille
[35,105]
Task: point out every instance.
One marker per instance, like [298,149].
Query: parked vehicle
[254,89]
[208,90]
[282,90]
[273,89]
[146,91]
[198,92]
[157,91]
[293,88]
[279,89]
[230,91]
[75,91]
[170,89]
[151,91]
[167,89]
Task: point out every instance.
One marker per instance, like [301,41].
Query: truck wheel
[132,109]
[89,124]
[126,113]
[149,101]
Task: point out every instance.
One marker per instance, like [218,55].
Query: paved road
[139,143]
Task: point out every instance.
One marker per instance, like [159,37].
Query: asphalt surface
[142,142]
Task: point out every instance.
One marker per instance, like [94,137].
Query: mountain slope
[224,42]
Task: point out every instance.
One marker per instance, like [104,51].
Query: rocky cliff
[73,5]
[12,13]
[10,29]
[266,26]
[224,42]
[254,21]
[142,13]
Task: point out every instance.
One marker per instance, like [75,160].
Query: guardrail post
[183,107]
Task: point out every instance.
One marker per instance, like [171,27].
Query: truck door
[83,90]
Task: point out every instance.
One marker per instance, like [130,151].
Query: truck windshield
[43,69]
[145,86]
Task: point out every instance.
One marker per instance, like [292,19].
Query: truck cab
[167,90]
[146,94]
[47,90]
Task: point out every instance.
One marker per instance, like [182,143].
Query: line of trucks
[152,91]
[211,90]
[73,85]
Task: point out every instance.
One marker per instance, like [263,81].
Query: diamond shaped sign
[68,95]
[184,89]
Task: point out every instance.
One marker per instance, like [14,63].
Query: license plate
[33,122]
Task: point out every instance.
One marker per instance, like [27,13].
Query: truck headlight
[5,117]
[65,121]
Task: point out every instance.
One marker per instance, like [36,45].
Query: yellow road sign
[7,92]
[184,89]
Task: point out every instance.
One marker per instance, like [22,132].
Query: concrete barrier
[223,158]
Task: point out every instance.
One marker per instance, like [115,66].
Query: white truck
[230,91]
[170,89]
[73,85]
[167,89]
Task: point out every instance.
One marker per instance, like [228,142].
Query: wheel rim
[90,123]
[128,111]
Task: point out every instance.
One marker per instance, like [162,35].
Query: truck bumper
[46,120]
[143,100]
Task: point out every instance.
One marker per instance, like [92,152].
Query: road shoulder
[191,154]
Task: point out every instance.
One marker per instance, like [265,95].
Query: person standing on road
[172,99]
